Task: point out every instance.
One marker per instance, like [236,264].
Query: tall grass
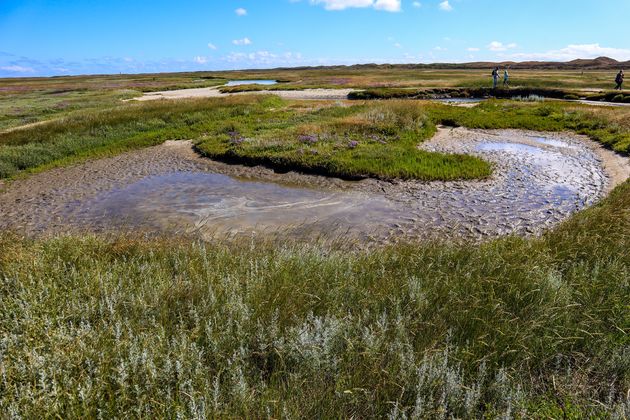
[107,328]
[261,130]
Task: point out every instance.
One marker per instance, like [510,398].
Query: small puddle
[510,148]
[459,100]
[251,82]
[553,142]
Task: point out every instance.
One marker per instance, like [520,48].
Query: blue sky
[55,37]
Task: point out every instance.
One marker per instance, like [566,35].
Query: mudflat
[539,180]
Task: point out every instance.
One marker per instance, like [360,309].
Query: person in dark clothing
[495,77]
[619,80]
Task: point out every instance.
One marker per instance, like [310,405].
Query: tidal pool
[211,204]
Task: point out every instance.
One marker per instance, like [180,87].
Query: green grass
[378,141]
[386,138]
[94,327]
[26,101]
[363,140]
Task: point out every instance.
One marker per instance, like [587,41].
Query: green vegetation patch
[379,141]
[373,139]
[353,142]
[463,92]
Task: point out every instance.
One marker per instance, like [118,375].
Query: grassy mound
[350,142]
[462,92]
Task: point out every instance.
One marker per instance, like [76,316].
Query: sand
[214,92]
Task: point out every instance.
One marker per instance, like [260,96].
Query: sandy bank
[214,92]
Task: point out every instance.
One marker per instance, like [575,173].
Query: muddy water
[538,181]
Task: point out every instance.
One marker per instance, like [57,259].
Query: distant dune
[600,63]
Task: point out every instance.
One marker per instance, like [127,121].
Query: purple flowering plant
[308,138]
[236,137]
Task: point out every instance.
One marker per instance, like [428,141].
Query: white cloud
[18,69]
[200,60]
[438,48]
[446,6]
[473,49]
[244,41]
[573,52]
[264,58]
[499,46]
[397,45]
[241,12]
[416,4]
[212,46]
[386,5]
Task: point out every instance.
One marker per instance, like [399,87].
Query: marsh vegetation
[95,326]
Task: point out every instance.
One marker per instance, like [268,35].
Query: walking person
[506,78]
[495,77]
[619,80]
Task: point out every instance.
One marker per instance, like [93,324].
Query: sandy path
[539,180]
[214,92]
[598,103]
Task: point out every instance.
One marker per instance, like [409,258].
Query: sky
[64,37]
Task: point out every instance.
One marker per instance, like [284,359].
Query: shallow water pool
[251,82]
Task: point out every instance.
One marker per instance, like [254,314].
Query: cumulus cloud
[499,46]
[241,12]
[386,5]
[576,51]
[446,6]
[200,60]
[244,41]
[212,46]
